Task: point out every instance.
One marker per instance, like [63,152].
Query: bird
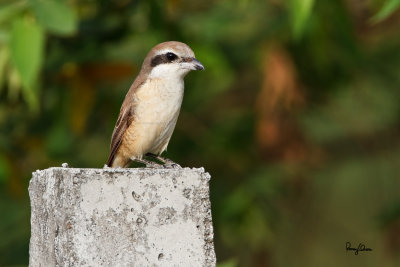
[151,107]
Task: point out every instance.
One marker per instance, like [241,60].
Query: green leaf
[4,36]
[13,84]
[55,16]
[27,43]
[9,10]
[300,12]
[388,8]
[31,97]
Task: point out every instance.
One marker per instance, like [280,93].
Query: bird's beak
[193,63]
[197,64]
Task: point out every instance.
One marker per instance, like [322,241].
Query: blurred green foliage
[387,9]
[296,116]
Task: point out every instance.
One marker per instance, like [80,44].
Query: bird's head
[171,59]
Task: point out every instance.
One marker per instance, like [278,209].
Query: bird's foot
[148,163]
[167,162]
[171,165]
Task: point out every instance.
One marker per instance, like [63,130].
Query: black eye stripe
[157,60]
[162,59]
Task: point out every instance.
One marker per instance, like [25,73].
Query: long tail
[110,159]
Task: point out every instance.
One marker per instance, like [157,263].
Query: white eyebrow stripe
[187,52]
[164,51]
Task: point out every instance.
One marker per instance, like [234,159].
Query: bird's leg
[167,162]
[148,163]
[154,156]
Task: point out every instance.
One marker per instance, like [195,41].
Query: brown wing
[124,120]
[126,114]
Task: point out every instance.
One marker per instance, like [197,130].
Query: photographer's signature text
[361,247]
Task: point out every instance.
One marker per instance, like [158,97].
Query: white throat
[173,71]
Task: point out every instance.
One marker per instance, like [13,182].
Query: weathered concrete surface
[121,217]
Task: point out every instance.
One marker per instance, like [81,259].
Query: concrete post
[121,217]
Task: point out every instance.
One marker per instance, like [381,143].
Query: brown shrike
[151,107]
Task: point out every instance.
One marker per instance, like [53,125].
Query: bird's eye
[171,56]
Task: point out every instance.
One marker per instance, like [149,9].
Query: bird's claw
[172,165]
[167,163]
[153,165]
[147,163]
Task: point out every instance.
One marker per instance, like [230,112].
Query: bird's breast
[158,101]
[157,106]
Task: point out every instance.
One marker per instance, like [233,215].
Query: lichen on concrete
[121,217]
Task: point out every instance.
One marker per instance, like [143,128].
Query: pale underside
[157,106]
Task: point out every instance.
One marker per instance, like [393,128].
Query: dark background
[297,116]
